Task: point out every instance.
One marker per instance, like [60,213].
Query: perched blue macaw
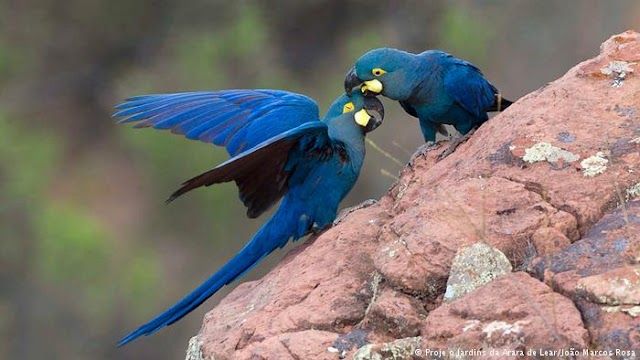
[433,86]
[280,149]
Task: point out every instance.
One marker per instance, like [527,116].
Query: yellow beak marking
[374,86]
[362,118]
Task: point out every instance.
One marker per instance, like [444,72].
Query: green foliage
[15,60]
[199,60]
[362,41]
[27,165]
[71,246]
[327,83]
[205,57]
[5,60]
[74,250]
[166,158]
[465,35]
[247,35]
[140,279]
[27,160]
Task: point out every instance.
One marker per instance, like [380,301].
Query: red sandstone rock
[549,240]
[513,313]
[599,274]
[373,277]
[399,315]
[619,286]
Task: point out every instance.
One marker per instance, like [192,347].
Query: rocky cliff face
[553,183]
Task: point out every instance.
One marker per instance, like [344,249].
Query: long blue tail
[275,233]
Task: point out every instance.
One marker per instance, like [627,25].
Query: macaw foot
[455,142]
[343,214]
[423,150]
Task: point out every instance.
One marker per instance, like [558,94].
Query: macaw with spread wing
[280,149]
[433,86]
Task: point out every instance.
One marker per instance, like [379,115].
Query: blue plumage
[433,86]
[311,163]
[237,119]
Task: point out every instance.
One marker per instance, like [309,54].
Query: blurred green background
[88,250]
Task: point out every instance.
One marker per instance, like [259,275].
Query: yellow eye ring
[348,107]
[378,72]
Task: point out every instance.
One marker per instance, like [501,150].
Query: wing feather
[468,87]
[236,119]
[261,173]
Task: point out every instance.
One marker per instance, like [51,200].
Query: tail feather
[275,233]
[500,104]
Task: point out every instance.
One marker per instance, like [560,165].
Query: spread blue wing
[236,119]
[261,173]
[468,87]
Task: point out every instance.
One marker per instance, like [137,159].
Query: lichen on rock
[594,165]
[475,266]
[394,350]
[194,351]
[633,192]
[620,286]
[543,151]
[618,70]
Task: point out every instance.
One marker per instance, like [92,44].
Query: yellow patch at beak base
[362,118]
[374,86]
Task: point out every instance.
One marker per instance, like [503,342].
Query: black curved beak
[351,81]
[376,110]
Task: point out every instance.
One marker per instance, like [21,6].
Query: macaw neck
[353,151]
[400,83]
[348,158]
[347,138]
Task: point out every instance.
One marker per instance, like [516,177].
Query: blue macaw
[280,149]
[433,86]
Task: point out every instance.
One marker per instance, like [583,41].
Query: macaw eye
[348,107]
[378,72]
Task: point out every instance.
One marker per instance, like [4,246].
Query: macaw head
[385,71]
[366,113]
